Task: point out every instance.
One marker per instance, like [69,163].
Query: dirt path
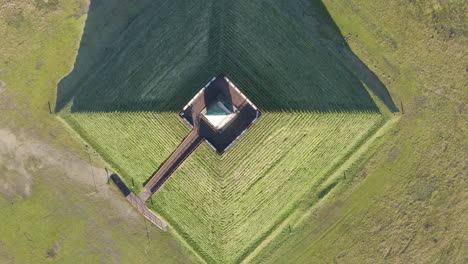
[20,155]
[23,157]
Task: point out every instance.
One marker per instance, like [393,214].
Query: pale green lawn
[37,47]
[409,203]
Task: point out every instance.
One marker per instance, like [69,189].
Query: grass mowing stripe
[241,204]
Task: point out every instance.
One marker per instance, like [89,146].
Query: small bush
[327,189]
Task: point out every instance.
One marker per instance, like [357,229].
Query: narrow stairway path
[184,150]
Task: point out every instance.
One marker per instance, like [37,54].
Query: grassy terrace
[406,205]
[223,206]
[133,143]
[319,103]
[154,69]
[146,65]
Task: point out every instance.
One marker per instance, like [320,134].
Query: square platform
[220,113]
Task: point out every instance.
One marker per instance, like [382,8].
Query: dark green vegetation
[326,190]
[160,53]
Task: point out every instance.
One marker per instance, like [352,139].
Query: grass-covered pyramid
[139,64]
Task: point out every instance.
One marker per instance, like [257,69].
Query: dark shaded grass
[326,190]
[158,54]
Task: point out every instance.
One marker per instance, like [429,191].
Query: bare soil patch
[22,157]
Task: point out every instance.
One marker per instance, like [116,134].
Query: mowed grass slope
[408,204]
[223,206]
[142,64]
[166,53]
[152,66]
[315,101]
[134,144]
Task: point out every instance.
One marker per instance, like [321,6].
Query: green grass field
[224,206]
[215,201]
[134,144]
[142,65]
[315,114]
[49,211]
[399,198]
[406,205]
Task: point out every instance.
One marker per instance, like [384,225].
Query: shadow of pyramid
[156,55]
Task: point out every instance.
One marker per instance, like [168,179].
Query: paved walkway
[184,150]
[136,202]
[202,130]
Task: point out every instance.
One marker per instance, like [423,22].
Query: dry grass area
[408,203]
[55,206]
